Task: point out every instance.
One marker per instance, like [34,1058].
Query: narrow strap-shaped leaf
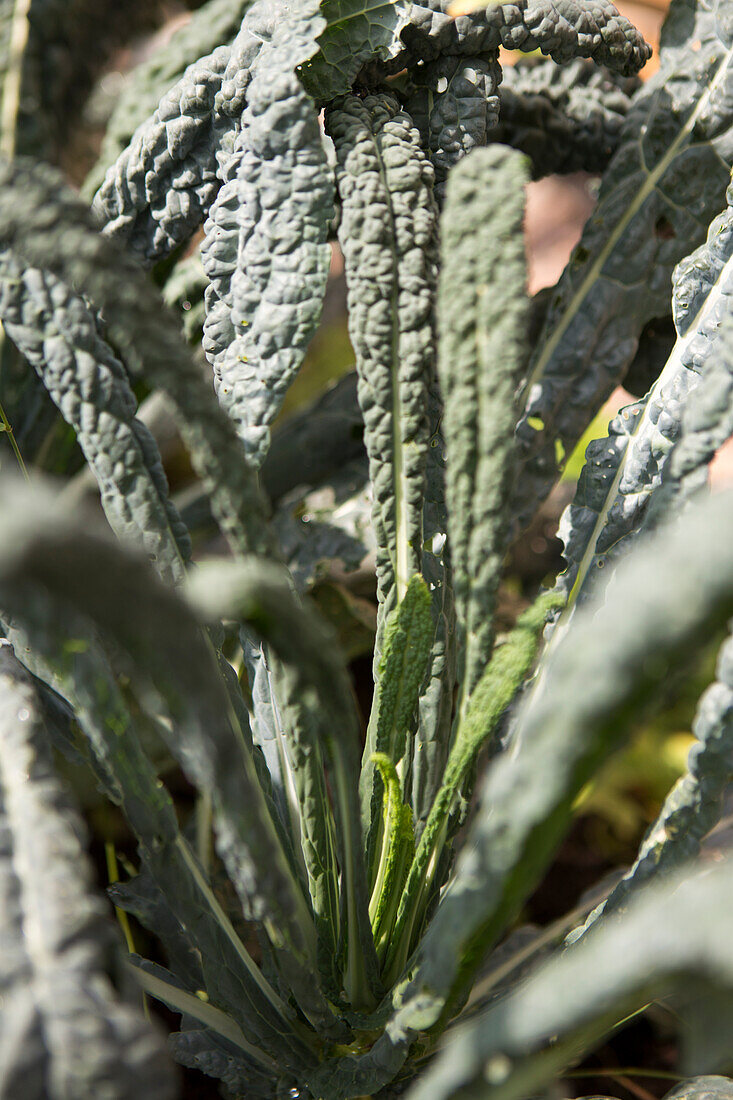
[565,730]
[494,692]
[707,423]
[565,118]
[387,233]
[408,635]
[678,129]
[266,251]
[398,846]
[454,104]
[73,661]
[482,325]
[59,336]
[212,25]
[695,803]
[163,985]
[55,233]
[674,942]
[56,998]
[172,657]
[624,471]
[591,28]
[260,595]
[432,736]
[139,202]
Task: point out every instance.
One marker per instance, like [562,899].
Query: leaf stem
[13,78]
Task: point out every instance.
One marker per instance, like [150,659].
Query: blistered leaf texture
[387,234]
[624,471]
[59,335]
[454,105]
[266,252]
[565,729]
[483,314]
[158,190]
[566,118]
[56,234]
[673,162]
[591,28]
[65,1033]
[678,929]
[210,26]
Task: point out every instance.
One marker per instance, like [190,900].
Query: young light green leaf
[565,730]
[483,314]
[387,233]
[397,849]
[408,635]
[649,215]
[56,998]
[494,692]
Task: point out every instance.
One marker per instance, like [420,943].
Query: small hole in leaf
[663,229]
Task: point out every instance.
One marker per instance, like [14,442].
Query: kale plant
[384,892]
